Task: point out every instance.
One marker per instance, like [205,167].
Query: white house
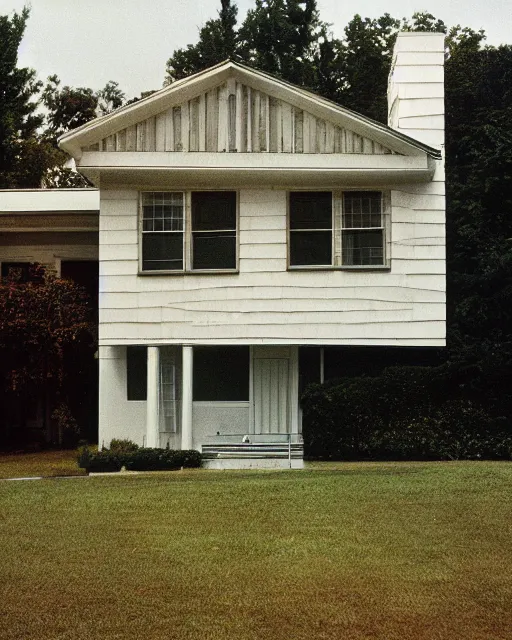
[244,221]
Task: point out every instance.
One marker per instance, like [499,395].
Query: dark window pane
[136,373]
[310,247]
[311,210]
[221,374]
[23,272]
[214,250]
[309,367]
[213,210]
[17,270]
[162,251]
[363,247]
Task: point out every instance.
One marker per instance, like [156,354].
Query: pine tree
[217,42]
[22,160]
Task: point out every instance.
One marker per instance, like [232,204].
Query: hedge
[406,413]
[134,458]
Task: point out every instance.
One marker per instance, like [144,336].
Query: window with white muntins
[189,231]
[344,229]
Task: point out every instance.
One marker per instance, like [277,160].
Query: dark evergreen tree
[281,37]
[479,192]
[22,159]
[217,42]
[365,56]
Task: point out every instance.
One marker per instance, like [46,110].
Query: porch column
[153,397]
[294,390]
[186,397]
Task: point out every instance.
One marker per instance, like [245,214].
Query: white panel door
[271,392]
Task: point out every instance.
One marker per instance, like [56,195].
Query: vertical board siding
[194,125]
[160,132]
[176,118]
[212,120]
[236,118]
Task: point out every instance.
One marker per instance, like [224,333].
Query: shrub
[123,449]
[414,413]
[127,454]
[100,462]
[162,459]
[152,460]
[189,458]
[123,446]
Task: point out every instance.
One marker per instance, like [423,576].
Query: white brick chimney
[416,87]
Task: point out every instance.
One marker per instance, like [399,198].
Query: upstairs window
[363,229]
[337,229]
[311,228]
[214,230]
[162,231]
[189,231]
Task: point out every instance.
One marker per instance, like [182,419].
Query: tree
[110,98]
[22,159]
[366,53]
[68,108]
[29,156]
[479,196]
[217,42]
[281,38]
[46,327]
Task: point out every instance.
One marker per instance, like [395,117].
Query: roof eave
[189,87]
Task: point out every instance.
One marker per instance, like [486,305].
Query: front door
[271,395]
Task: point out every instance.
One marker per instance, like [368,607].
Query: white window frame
[337,233]
[188,235]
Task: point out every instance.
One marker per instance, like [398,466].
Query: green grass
[44,463]
[346,551]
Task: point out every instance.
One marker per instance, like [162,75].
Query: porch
[239,405]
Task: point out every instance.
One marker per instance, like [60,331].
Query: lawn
[44,463]
[348,551]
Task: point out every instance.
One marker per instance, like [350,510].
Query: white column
[153,398]
[294,389]
[186,398]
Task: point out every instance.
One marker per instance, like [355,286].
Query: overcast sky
[88,42]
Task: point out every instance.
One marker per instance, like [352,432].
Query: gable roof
[193,86]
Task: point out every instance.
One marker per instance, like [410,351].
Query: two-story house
[248,226]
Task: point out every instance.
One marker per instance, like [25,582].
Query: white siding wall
[227,418]
[265,303]
[118,418]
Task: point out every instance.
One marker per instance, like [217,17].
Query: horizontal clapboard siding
[264,301]
[236,118]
